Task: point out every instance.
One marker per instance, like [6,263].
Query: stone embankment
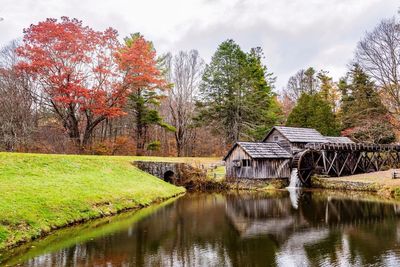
[379,182]
[182,174]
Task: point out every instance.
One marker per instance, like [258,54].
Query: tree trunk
[180,142]
[139,136]
[90,126]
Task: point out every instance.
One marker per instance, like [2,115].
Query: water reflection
[247,230]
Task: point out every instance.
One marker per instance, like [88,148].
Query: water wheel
[307,163]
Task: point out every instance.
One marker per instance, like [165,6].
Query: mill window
[246,163]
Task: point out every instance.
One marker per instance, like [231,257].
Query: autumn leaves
[85,76]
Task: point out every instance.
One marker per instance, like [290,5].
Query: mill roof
[299,135]
[261,150]
[339,139]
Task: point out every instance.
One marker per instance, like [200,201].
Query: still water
[264,229]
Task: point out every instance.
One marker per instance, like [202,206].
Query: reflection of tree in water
[244,230]
[364,230]
[323,229]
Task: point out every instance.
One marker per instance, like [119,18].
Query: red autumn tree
[75,69]
[137,59]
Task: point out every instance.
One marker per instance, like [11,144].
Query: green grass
[39,192]
[195,161]
[217,173]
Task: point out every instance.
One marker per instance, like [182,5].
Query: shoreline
[81,231]
[375,182]
[43,193]
[82,221]
[333,187]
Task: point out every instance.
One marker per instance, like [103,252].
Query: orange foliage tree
[143,79]
[75,68]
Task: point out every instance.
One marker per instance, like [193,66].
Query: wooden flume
[336,159]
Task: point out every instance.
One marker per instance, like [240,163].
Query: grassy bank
[44,192]
[79,233]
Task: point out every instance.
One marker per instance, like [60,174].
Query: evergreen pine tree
[363,116]
[312,111]
[236,93]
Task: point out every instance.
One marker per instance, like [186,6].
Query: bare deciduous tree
[304,81]
[186,70]
[379,55]
[17,107]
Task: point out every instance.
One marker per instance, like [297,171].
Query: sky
[294,34]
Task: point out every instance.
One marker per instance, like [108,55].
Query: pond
[280,228]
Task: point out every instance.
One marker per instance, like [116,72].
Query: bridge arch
[169,176]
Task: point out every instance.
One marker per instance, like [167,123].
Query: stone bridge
[172,172]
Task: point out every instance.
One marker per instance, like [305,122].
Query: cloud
[293,34]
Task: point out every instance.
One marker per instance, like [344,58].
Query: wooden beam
[324,160]
[332,162]
[358,161]
[344,164]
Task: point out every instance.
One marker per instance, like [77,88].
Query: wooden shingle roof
[339,140]
[262,150]
[299,135]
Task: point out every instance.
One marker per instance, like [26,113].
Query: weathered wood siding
[238,154]
[277,137]
[258,169]
[296,147]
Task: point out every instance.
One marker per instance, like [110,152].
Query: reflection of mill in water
[279,217]
[312,223]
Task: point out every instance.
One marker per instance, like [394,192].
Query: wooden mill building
[271,158]
[294,139]
[257,161]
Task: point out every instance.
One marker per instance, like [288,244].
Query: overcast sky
[293,34]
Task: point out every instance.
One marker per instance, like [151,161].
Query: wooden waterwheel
[307,163]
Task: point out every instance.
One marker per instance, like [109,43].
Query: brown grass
[383,178]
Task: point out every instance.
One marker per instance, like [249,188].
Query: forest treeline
[66,88]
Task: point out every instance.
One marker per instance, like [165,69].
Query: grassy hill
[39,193]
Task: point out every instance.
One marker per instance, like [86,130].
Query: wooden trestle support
[344,159]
